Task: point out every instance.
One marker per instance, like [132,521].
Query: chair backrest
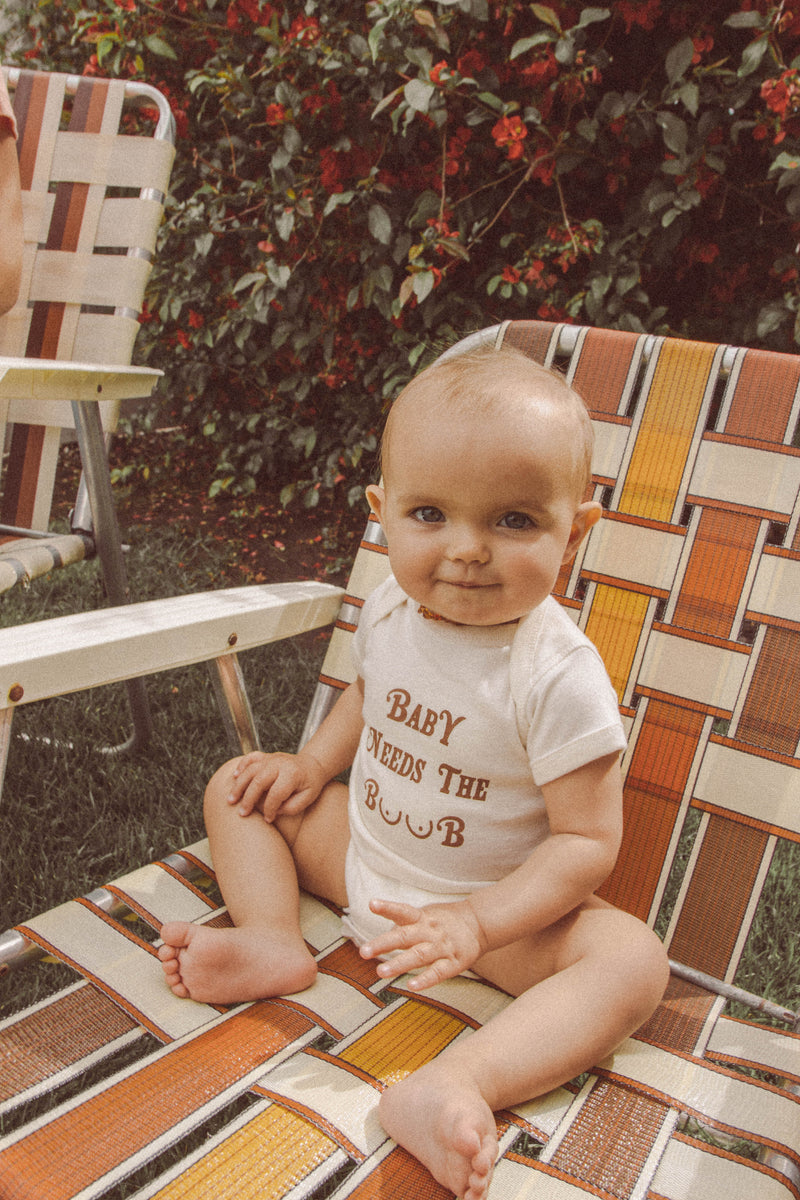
[690,588]
[94,173]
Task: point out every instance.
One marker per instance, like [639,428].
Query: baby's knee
[648,967]
[219,786]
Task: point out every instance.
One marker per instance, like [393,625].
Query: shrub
[357,183]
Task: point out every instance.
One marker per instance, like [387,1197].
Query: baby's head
[486,461]
[495,389]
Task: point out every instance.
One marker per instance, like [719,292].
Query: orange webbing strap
[120,1125]
[70,1031]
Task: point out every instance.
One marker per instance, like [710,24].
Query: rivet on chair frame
[16,692]
[233,639]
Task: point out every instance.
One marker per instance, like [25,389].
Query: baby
[484,807]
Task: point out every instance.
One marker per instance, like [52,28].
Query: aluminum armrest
[86,650]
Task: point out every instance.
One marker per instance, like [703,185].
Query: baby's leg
[264,954]
[582,987]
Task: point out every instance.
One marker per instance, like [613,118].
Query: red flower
[276,114]
[701,45]
[542,70]
[511,132]
[305,30]
[510,275]
[471,63]
[639,12]
[196,319]
[183,338]
[775,94]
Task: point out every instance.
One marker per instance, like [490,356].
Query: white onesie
[445,797]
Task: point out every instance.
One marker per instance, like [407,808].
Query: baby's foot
[226,966]
[442,1119]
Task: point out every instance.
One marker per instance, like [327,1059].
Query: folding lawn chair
[691,589]
[94,180]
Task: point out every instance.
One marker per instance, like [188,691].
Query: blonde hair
[481,380]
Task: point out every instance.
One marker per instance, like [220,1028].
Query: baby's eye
[516,520]
[428,514]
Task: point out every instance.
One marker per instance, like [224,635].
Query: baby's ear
[586,517]
[376,498]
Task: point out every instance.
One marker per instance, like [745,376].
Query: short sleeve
[574,716]
[386,597]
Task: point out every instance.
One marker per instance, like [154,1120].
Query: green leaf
[387,100]
[589,16]
[546,14]
[279,274]
[659,200]
[689,94]
[426,206]
[284,223]
[292,140]
[203,243]
[380,224]
[679,59]
[418,94]
[157,45]
[423,285]
[246,280]
[524,44]
[491,100]
[335,200]
[752,56]
[785,162]
[565,51]
[746,20]
[676,134]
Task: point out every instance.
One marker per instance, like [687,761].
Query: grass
[73,817]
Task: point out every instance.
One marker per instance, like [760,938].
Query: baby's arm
[286,784]
[585,814]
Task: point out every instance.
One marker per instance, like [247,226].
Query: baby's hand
[443,939]
[277,784]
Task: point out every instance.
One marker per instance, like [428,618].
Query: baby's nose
[468,545]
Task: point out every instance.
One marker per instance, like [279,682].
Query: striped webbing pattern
[277,1098]
[690,588]
[92,203]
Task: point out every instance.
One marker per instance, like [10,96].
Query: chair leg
[107,539]
[234,704]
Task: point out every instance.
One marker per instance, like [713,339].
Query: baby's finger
[243,776]
[296,803]
[437,972]
[404,961]
[401,914]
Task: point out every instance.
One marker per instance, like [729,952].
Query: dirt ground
[261,542]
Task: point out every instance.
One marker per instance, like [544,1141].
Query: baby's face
[480,515]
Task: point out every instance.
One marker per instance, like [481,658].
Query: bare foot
[226,966]
[441,1118]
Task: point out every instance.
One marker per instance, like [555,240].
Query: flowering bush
[357,183]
